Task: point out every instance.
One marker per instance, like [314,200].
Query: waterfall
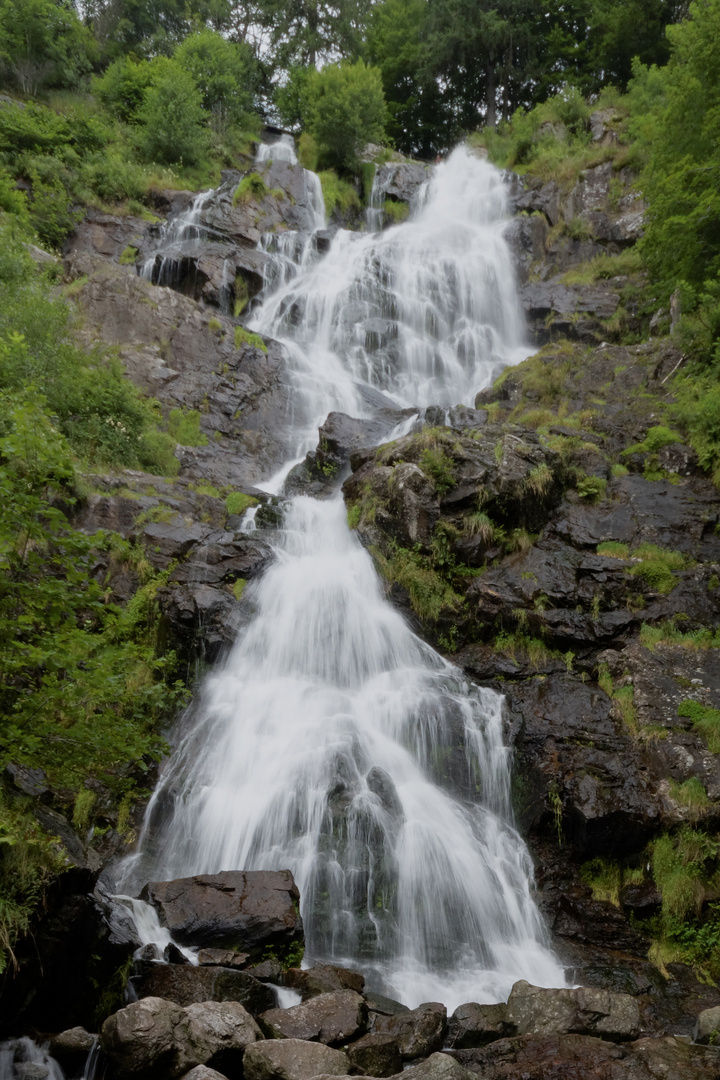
[23,1059]
[333,741]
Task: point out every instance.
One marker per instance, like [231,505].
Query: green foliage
[669,633]
[239,588]
[395,212]
[438,465]
[247,337]
[171,118]
[655,439]
[681,244]
[43,373]
[698,410]
[223,71]
[184,428]
[43,43]
[690,794]
[345,109]
[251,188]
[337,194]
[128,256]
[28,861]
[682,866]
[237,502]
[307,152]
[519,642]
[123,86]
[705,721]
[429,593]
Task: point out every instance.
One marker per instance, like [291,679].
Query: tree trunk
[490,92]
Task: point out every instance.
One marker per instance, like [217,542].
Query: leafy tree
[682,242]
[171,116]
[123,86]
[42,42]
[223,72]
[397,44]
[345,109]
[307,31]
[150,27]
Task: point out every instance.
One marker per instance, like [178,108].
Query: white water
[185,227]
[333,741]
[23,1059]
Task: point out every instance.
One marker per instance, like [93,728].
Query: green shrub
[123,86]
[172,122]
[223,71]
[344,109]
[113,178]
[429,593]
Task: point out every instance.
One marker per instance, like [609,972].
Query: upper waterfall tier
[426,311]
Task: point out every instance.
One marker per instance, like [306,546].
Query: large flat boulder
[292,1059]
[328,1018]
[533,1010]
[246,910]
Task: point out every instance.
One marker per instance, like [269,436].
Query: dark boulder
[188,985]
[243,910]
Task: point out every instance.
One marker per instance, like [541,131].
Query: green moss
[354,514]
[247,337]
[239,588]
[613,549]
[619,470]
[655,439]
[214,325]
[395,212]
[237,502]
[251,188]
[705,721]
[128,256]
[592,488]
[656,567]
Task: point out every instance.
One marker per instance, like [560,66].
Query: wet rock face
[173,349]
[578,1057]
[248,910]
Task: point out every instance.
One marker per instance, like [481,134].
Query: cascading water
[333,741]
